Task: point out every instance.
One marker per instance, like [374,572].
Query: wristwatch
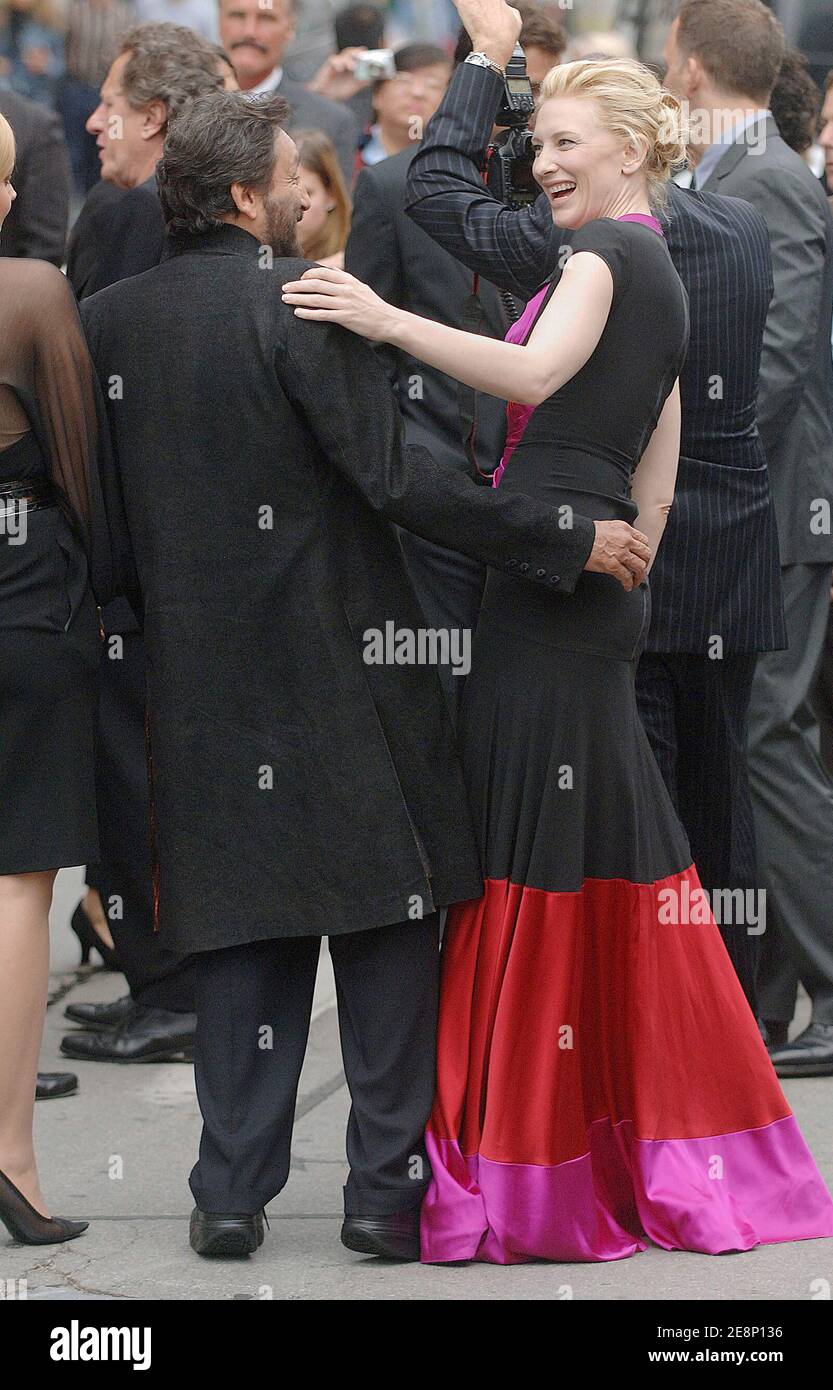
[480,60]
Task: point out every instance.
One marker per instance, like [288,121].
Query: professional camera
[509,158]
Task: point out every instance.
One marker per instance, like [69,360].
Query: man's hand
[493,27]
[621,551]
[335,79]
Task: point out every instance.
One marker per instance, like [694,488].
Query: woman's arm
[652,485]
[563,339]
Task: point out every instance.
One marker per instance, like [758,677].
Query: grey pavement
[119,1152]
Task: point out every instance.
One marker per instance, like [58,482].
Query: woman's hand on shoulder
[335,296]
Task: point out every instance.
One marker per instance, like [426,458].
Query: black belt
[33,494]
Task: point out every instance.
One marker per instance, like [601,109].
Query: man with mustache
[256,34]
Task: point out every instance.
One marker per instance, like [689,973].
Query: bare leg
[24,979]
[96,914]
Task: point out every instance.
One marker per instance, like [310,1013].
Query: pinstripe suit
[716,573]
[791,790]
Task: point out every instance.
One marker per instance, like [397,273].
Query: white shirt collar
[269,83]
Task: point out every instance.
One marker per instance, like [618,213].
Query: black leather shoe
[99,1017]
[396,1237]
[55,1083]
[146,1035]
[810,1054]
[774,1032]
[215,1235]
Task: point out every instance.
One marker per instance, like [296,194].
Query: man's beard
[281,228]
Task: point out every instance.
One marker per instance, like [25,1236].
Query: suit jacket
[119,232]
[391,253]
[37,223]
[716,571]
[299,789]
[309,110]
[795,397]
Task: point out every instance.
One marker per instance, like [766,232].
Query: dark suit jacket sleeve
[44,196]
[334,380]
[372,255]
[516,250]
[797,241]
[123,574]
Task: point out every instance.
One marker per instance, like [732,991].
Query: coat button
[539,574]
[510,564]
[523,568]
[555,578]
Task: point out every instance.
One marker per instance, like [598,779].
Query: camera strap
[472,320]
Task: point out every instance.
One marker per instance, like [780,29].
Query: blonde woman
[601,1080]
[49,652]
[325,225]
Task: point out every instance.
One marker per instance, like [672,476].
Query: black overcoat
[297,789]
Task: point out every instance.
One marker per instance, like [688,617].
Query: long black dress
[601,1078]
[49,631]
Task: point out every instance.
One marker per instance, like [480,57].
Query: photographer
[717,572]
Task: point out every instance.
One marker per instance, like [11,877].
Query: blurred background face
[408,95]
[578,162]
[122,133]
[255,34]
[826,137]
[321,203]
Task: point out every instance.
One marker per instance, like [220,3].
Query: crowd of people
[297,379]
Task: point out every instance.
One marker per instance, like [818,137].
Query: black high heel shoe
[90,939]
[26,1225]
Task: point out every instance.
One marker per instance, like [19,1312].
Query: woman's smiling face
[578,161]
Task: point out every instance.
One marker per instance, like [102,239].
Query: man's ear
[154,120]
[245,200]
[693,75]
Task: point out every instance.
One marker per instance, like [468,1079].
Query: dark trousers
[694,711]
[792,795]
[449,587]
[253,1017]
[156,976]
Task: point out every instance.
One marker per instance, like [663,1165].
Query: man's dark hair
[169,63]
[540,30]
[796,102]
[359,26]
[214,142]
[739,43]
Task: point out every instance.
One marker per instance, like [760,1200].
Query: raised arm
[652,485]
[516,249]
[562,341]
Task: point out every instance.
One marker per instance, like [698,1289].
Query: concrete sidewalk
[120,1150]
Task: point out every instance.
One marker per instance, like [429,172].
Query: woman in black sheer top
[49,652]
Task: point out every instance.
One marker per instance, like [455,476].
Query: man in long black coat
[299,789]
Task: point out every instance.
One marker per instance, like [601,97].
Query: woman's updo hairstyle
[633,104]
[7,150]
